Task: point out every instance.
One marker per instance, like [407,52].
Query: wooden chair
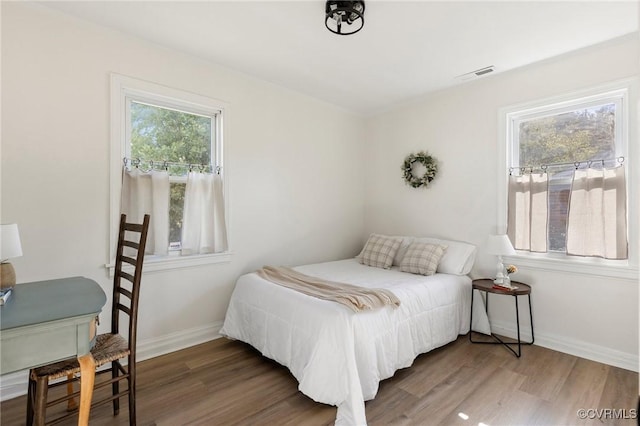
[109,347]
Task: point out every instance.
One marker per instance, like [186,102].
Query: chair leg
[71,403]
[40,404]
[132,391]
[115,387]
[30,392]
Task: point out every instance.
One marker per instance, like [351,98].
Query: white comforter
[338,356]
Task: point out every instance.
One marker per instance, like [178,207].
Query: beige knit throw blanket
[352,296]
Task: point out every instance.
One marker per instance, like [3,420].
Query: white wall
[589,316]
[293,166]
[296,183]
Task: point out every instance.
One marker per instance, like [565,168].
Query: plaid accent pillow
[379,251]
[422,258]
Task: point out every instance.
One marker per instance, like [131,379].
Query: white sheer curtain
[203,226]
[597,222]
[148,193]
[528,212]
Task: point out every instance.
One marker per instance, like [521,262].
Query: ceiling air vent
[476,73]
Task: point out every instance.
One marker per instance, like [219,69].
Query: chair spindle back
[126,286]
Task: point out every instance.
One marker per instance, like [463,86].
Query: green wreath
[427,161]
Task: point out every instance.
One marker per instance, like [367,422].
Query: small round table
[520,289]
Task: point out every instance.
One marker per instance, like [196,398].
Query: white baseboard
[570,346]
[151,348]
[15,384]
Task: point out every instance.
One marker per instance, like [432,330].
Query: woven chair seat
[109,347]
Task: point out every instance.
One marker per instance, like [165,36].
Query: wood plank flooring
[225,382]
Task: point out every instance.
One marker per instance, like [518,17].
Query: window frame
[626,131]
[123,90]
[616,97]
[214,114]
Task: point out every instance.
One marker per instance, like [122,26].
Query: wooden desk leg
[87,379]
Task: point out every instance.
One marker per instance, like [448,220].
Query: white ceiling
[406,49]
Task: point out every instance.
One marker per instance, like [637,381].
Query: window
[557,138]
[160,128]
[179,138]
[582,129]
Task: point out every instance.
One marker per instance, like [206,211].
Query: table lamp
[10,248]
[500,245]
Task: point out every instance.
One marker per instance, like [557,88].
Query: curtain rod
[137,162]
[576,164]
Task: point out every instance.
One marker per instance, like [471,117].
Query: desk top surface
[51,300]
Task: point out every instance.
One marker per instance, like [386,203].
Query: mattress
[338,356]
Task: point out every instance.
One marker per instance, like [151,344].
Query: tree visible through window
[556,139]
[575,136]
[161,134]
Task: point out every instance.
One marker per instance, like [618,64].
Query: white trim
[628,361]
[15,384]
[123,87]
[587,94]
[559,262]
[629,132]
[166,263]
[151,348]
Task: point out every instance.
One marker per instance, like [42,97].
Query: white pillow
[457,259]
[379,251]
[422,258]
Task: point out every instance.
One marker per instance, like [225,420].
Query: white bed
[339,356]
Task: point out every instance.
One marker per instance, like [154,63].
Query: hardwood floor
[229,383]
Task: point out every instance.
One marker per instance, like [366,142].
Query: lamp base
[499,271]
[7,275]
[504,282]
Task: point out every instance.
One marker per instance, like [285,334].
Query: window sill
[576,265]
[165,263]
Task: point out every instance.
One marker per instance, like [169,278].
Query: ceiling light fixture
[339,13]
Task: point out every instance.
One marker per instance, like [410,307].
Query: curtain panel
[597,221]
[203,228]
[148,193]
[528,212]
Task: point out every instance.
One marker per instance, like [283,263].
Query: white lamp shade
[499,245]
[10,246]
